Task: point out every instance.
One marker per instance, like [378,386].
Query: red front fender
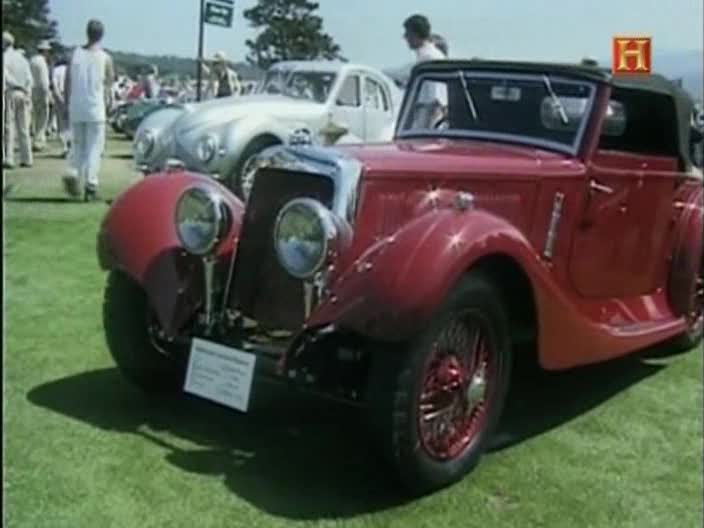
[138,236]
[400,281]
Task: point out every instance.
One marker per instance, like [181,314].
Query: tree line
[286,30]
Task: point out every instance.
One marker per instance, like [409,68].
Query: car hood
[198,117]
[448,157]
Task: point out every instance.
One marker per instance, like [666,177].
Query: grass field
[616,445]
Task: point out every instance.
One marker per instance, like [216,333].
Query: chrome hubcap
[476,389]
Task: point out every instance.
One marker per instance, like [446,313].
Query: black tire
[125,317]
[396,382]
[234,181]
[693,337]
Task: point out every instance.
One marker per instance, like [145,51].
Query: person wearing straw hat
[224,81]
[41,93]
[18,89]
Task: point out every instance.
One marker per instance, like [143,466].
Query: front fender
[398,283]
[239,134]
[138,237]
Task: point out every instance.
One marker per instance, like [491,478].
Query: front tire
[438,402]
[126,317]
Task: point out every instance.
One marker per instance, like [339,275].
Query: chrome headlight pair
[306,233]
[207,148]
[202,219]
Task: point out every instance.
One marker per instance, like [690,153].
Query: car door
[378,111]
[347,110]
[619,243]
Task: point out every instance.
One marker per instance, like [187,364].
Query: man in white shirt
[87,89]
[432,100]
[18,89]
[58,81]
[41,94]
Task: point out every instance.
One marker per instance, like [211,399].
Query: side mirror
[615,119]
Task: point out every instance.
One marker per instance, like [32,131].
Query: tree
[28,21]
[291,31]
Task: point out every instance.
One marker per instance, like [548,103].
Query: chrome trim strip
[551,237]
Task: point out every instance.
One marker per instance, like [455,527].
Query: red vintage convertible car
[551,204]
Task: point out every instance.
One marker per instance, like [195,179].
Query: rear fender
[687,255]
[396,285]
[138,237]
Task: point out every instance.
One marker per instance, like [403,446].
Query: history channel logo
[632,55]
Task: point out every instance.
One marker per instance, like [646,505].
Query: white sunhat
[44,45]
[219,56]
[8,38]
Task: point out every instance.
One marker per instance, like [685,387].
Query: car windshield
[300,84]
[538,109]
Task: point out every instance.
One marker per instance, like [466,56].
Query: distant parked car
[547,205]
[321,102]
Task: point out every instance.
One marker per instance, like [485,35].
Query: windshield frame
[412,94]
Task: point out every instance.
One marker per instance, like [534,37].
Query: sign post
[217,13]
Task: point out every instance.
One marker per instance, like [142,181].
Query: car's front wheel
[438,401]
[129,331]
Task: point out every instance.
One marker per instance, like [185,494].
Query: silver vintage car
[297,102]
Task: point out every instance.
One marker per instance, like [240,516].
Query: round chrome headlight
[201,219]
[144,144]
[206,149]
[304,233]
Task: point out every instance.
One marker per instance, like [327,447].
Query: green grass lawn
[615,445]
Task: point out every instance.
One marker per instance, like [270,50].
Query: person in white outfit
[87,89]
[432,101]
[58,81]
[18,89]
[41,94]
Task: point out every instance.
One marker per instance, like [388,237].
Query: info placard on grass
[220,374]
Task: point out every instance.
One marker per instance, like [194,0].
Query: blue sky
[369,31]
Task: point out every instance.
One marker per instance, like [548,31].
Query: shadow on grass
[301,457]
[292,455]
[539,401]
[40,199]
[122,156]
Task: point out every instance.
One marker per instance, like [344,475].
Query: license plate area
[220,374]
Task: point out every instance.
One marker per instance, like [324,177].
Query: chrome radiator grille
[263,291]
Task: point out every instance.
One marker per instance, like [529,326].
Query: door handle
[598,187]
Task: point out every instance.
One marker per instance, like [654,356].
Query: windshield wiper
[468,96]
[556,100]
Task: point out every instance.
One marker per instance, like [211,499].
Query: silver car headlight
[144,144]
[201,220]
[305,233]
[206,149]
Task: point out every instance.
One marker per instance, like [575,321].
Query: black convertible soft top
[653,83]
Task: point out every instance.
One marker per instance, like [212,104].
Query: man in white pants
[58,81]
[41,94]
[88,81]
[17,104]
